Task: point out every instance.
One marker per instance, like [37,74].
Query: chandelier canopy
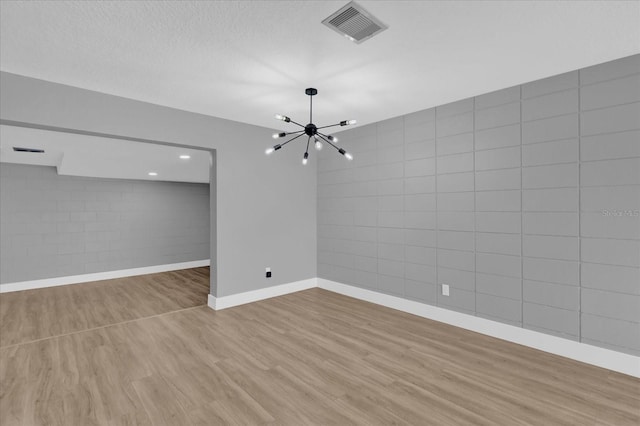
[311,130]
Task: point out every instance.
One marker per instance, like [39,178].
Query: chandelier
[311,130]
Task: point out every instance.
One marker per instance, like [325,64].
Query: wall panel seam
[521,218]
[475,257]
[437,230]
[579,211]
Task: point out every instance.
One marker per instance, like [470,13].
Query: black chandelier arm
[284,134]
[342,123]
[308,140]
[298,124]
[325,138]
[292,139]
[331,125]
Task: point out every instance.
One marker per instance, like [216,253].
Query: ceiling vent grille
[34,150]
[355,23]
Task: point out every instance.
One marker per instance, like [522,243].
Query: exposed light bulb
[274,148]
[346,154]
[279,135]
[352,121]
[305,159]
[318,145]
[333,139]
[185,157]
[282,117]
[347,122]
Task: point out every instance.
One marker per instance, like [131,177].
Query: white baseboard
[224,302]
[99,276]
[605,358]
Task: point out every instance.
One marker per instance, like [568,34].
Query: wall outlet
[445,289]
[268,272]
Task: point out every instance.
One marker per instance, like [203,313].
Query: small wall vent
[355,23]
[36,150]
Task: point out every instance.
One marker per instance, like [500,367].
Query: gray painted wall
[525,201]
[53,226]
[266,206]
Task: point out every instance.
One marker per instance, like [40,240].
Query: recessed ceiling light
[153,174]
[185,157]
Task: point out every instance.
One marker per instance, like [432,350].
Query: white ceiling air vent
[355,23]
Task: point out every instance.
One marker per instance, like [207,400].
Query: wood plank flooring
[31,315]
[312,357]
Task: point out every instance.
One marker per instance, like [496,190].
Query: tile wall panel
[56,226]
[524,201]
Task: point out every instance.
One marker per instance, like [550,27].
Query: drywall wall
[525,201]
[266,206]
[56,226]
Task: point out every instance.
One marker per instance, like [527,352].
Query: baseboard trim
[100,276]
[218,303]
[605,358]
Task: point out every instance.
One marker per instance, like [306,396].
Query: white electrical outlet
[445,289]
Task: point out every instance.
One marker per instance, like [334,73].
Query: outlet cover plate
[445,289]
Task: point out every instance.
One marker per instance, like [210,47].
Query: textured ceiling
[246,60]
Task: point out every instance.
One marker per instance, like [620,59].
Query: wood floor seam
[101,327]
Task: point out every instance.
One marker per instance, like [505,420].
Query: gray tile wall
[52,226]
[550,179]
[525,201]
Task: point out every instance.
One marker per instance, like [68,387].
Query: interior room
[320,212]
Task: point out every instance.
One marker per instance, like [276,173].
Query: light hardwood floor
[312,357]
[31,315]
